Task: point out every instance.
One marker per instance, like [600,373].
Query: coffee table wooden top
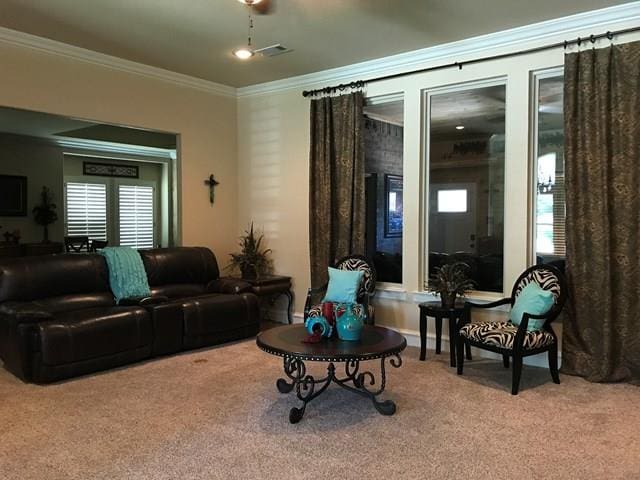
[286,341]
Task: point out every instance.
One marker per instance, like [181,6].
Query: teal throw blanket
[127,276]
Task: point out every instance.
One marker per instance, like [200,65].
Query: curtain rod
[361,83]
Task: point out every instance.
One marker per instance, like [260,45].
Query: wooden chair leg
[516,373]
[467,347]
[460,354]
[505,360]
[553,363]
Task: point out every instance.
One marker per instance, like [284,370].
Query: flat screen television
[13,196]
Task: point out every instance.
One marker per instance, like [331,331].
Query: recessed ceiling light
[459,127]
[250,2]
[243,53]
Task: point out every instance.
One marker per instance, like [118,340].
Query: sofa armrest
[24,312]
[229,285]
[18,323]
[143,301]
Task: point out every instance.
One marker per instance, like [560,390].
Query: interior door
[452,218]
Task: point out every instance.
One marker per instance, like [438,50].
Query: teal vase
[349,326]
[318,323]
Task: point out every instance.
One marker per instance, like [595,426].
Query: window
[466,134]
[86,210]
[136,216]
[549,204]
[452,201]
[384,144]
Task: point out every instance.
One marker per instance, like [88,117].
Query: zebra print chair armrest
[466,315]
[308,304]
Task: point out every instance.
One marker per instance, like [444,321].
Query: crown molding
[404,62]
[47,45]
[99,148]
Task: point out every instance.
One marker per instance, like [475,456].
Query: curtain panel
[601,334]
[336,182]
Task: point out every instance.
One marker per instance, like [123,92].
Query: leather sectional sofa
[58,317]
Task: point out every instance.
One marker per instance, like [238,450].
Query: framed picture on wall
[13,196]
[392,205]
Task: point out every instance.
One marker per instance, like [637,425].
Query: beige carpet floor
[216,413]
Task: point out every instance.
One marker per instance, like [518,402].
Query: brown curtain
[336,182]
[601,335]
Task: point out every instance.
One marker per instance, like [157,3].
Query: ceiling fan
[260,7]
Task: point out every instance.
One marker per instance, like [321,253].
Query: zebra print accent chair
[515,341]
[366,291]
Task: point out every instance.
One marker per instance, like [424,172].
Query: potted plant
[450,281]
[252,260]
[45,213]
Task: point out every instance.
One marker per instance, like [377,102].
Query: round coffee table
[376,343]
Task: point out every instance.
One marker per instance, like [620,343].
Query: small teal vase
[318,323]
[349,326]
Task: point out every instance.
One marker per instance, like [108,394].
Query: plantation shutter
[86,210]
[136,216]
[559,215]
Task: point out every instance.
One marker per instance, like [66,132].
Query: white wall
[37,78]
[42,165]
[274,149]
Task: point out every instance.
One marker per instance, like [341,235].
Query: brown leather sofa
[58,317]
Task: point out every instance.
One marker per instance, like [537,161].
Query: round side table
[438,312]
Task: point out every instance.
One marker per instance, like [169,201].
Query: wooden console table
[273,286]
[11,250]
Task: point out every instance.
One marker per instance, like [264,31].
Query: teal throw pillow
[532,299]
[343,285]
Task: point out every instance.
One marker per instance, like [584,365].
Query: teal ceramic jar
[314,324]
[349,325]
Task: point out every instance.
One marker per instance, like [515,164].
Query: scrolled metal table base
[362,383]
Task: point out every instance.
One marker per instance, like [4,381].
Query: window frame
[534,88]
[426,95]
[112,185]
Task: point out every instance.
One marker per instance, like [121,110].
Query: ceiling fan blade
[265,7]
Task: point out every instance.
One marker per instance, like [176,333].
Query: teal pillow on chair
[343,285]
[532,299]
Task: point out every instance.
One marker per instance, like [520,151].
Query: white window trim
[536,76]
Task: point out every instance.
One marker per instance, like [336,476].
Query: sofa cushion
[93,332]
[46,276]
[180,265]
[219,312]
[66,303]
[502,335]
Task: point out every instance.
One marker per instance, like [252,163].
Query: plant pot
[249,272]
[448,301]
